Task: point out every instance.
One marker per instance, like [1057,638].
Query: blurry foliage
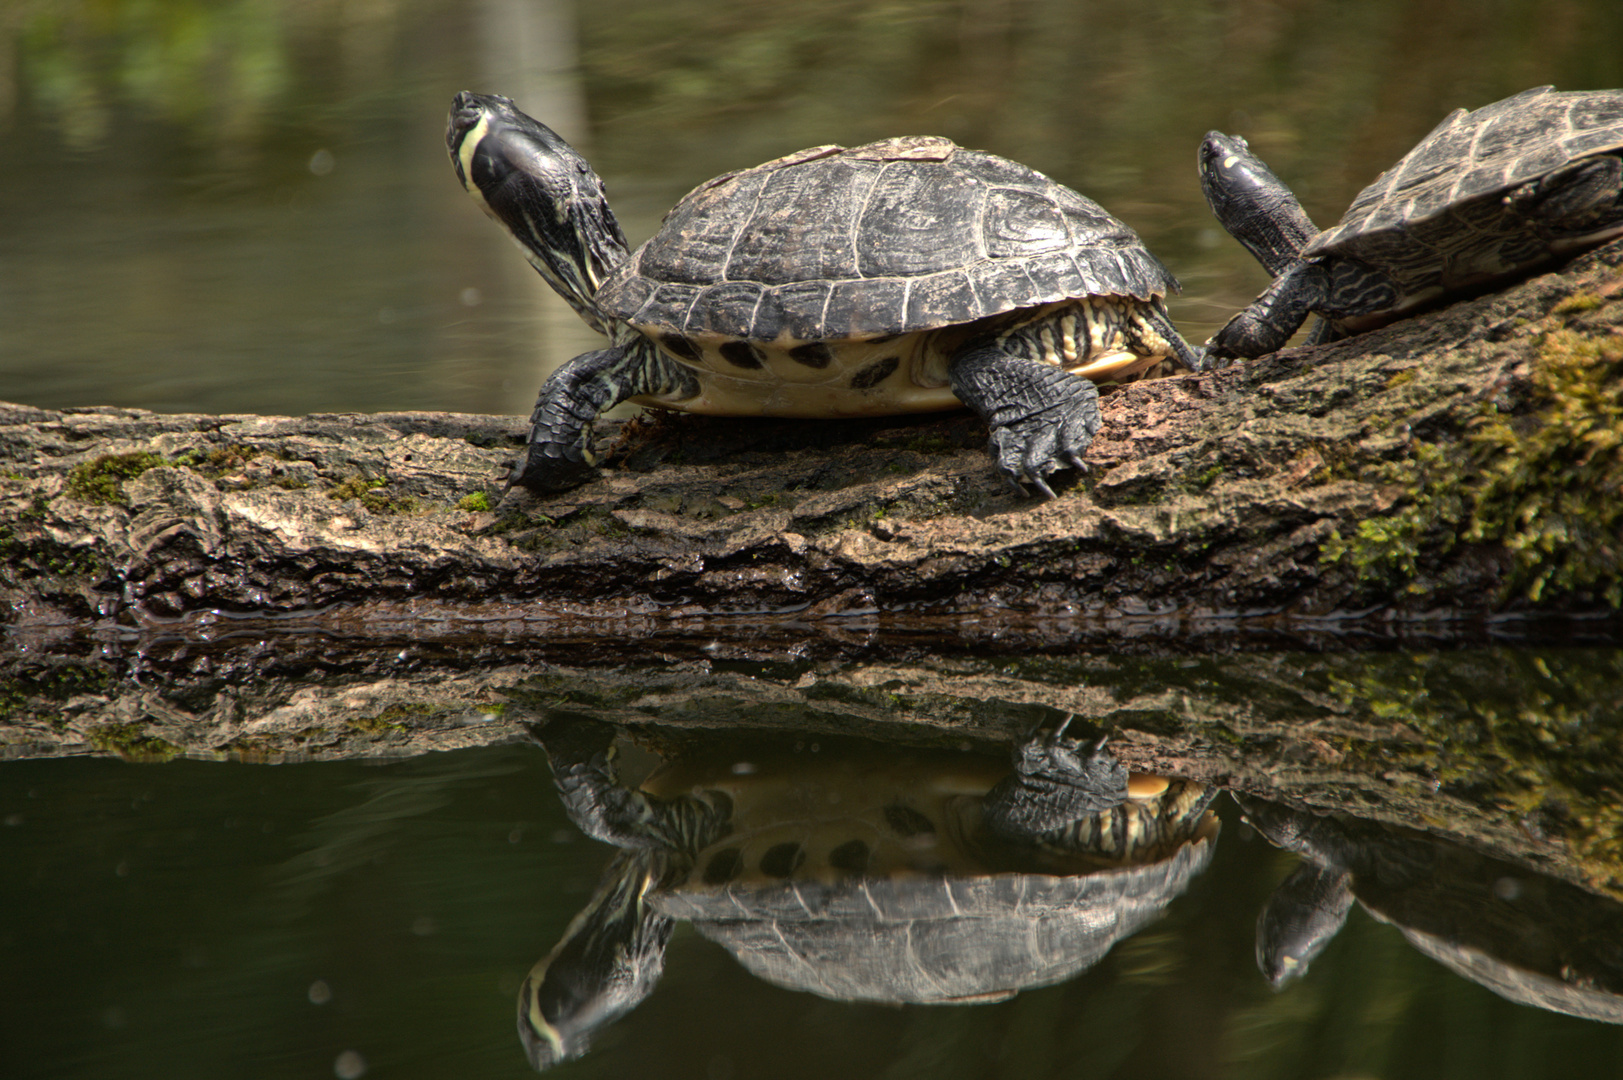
[1107,96]
[219,64]
[217,68]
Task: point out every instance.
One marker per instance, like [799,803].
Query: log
[272,588]
[1463,463]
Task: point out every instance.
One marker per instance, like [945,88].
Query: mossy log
[1468,461]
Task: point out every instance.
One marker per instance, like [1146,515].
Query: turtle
[1526,936]
[906,275]
[1487,197]
[860,872]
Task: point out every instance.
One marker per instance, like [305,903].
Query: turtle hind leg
[559,452]
[1042,417]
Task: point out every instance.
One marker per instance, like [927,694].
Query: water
[229,207]
[235,208]
[197,917]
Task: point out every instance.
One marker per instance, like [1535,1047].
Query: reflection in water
[1529,938]
[865,873]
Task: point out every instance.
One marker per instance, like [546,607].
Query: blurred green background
[245,206]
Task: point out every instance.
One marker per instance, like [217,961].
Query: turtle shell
[896,237]
[1439,216]
[870,880]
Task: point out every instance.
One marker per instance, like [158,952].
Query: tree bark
[1310,482]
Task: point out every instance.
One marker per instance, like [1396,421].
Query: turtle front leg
[1273,317]
[559,455]
[1042,417]
[1333,288]
[583,759]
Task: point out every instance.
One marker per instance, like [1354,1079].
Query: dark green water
[202,919]
[229,206]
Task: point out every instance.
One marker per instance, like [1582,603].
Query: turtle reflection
[1527,937]
[862,872]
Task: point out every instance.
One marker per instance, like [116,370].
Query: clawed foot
[1036,447]
[1064,757]
[1059,777]
[547,468]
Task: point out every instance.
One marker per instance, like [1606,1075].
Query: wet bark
[1210,497]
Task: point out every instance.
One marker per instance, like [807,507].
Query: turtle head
[610,959]
[1301,917]
[541,192]
[1252,203]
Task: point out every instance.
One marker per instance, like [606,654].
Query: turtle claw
[1042,485]
[548,468]
[1059,776]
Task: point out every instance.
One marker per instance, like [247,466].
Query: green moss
[363,489]
[100,481]
[132,743]
[518,521]
[1205,478]
[1398,378]
[391,719]
[1545,488]
[477,503]
[354,487]
[930,444]
[21,559]
[1552,494]
[1532,733]
[1577,302]
[218,460]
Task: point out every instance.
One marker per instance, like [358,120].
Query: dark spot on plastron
[678,345]
[875,373]
[781,860]
[723,866]
[742,354]
[851,856]
[813,355]
[905,821]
